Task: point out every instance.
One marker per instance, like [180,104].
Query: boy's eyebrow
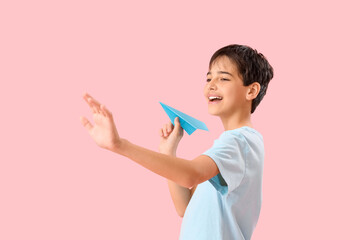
[221,72]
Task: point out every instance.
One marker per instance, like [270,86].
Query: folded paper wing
[189,124]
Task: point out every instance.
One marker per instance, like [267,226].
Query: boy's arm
[180,196]
[183,172]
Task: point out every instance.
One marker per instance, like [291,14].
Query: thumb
[86,123]
[177,123]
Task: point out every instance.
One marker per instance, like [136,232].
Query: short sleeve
[229,154]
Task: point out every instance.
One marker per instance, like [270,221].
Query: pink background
[55,183]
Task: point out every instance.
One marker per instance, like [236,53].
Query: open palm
[104,130]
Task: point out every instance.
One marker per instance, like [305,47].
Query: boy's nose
[212,85]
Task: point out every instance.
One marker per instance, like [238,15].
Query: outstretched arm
[183,172]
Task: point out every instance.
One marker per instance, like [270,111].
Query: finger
[95,102]
[86,98]
[103,110]
[94,106]
[165,131]
[178,127]
[106,111]
[86,123]
[177,123]
[92,102]
[169,127]
[161,132]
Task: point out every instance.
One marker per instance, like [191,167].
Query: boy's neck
[236,121]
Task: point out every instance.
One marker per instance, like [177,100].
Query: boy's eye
[225,79]
[208,80]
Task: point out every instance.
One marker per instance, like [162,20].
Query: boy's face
[224,90]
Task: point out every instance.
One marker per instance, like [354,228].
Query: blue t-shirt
[227,206]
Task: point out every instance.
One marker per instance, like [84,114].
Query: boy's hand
[104,131]
[170,137]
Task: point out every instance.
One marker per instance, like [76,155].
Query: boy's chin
[213,112]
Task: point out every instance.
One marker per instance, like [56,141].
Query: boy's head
[251,67]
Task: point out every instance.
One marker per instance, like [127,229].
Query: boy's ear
[253,91]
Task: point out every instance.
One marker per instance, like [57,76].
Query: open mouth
[214,99]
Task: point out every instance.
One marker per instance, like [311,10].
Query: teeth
[213,97]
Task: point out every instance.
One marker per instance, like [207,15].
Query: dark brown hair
[252,67]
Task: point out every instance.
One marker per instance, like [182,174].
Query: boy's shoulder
[243,133]
[244,138]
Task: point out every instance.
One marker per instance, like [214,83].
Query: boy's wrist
[119,146]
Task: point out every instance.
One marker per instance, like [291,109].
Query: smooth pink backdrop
[55,183]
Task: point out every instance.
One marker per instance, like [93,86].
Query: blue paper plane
[189,124]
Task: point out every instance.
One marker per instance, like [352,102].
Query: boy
[219,193]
